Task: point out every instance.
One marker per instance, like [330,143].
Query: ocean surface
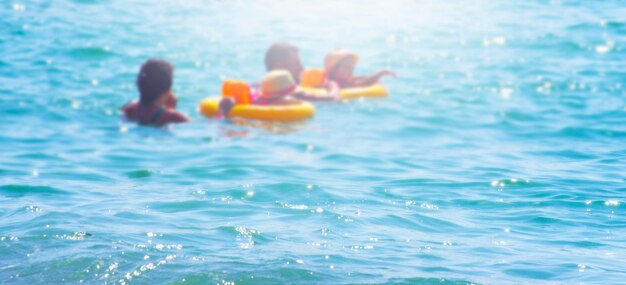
[499,157]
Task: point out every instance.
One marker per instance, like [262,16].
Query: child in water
[339,68]
[279,88]
[157,102]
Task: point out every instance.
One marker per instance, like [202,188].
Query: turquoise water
[498,158]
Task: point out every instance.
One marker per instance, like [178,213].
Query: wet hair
[154,79]
[276,52]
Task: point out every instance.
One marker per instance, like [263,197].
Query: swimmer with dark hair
[157,102]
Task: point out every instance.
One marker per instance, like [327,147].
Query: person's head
[154,80]
[278,83]
[284,56]
[339,65]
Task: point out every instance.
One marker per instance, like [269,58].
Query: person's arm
[332,95]
[311,97]
[174,117]
[170,101]
[226,104]
[373,79]
[130,109]
[129,105]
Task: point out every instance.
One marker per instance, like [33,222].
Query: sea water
[498,158]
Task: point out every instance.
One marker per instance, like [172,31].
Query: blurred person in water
[284,56]
[157,102]
[339,67]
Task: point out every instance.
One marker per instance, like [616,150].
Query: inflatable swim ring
[288,112]
[373,91]
[315,77]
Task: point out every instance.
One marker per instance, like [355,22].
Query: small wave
[616,26]
[590,133]
[552,42]
[589,26]
[180,206]
[21,190]
[428,281]
[90,52]
[88,1]
[139,174]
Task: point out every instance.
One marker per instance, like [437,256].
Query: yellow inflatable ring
[312,77]
[292,112]
[373,91]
